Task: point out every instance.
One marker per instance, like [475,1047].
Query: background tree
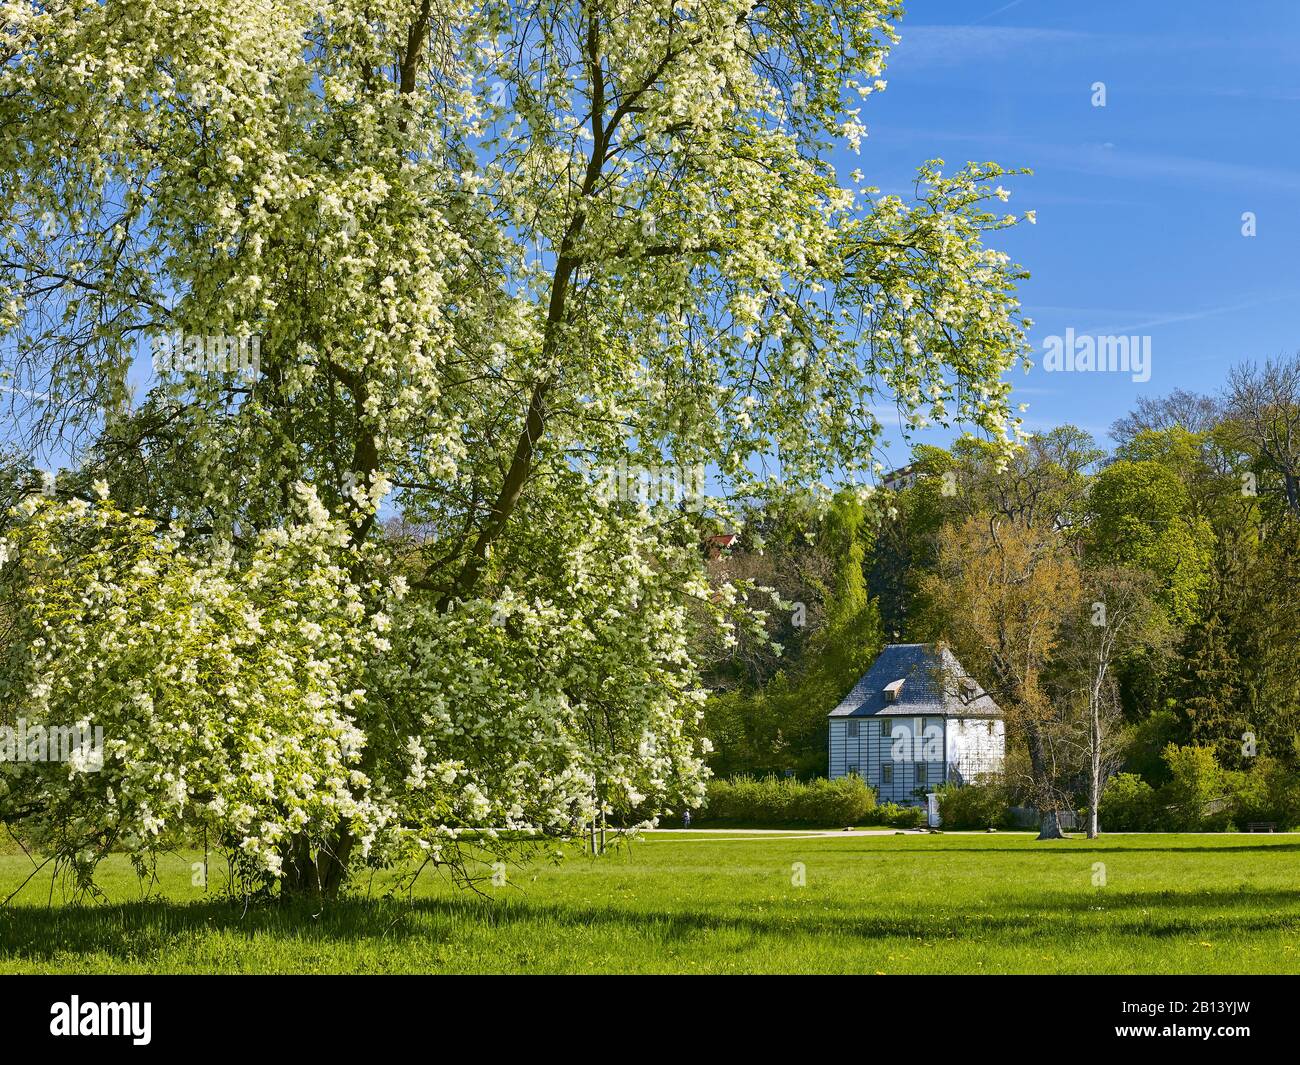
[1004,589]
[780,726]
[1189,411]
[1139,515]
[784,561]
[1042,483]
[1119,616]
[1265,402]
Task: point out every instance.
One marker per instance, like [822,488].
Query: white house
[914,721]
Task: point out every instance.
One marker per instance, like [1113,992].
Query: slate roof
[931,686]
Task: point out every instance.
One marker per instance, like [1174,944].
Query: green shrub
[1147,741]
[1266,793]
[785,801]
[1197,794]
[890,813]
[1129,805]
[986,804]
[1200,795]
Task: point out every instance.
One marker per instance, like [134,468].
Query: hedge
[785,801]
[889,813]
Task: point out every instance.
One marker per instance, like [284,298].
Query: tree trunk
[333,866]
[1050,823]
[1094,800]
[1094,768]
[298,876]
[320,875]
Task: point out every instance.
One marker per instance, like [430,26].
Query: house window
[921,774]
[851,730]
[853,769]
[887,774]
[990,728]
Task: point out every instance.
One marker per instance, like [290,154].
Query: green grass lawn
[872,904]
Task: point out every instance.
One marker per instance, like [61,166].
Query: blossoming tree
[489,251]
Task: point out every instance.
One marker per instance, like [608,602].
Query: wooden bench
[1262,826]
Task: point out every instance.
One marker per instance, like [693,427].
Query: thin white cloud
[1107,161]
[948,45]
[1190,316]
[23,392]
[1081,319]
[994,14]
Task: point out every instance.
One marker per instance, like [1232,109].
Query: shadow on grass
[139,932]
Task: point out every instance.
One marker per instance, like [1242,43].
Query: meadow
[718,903]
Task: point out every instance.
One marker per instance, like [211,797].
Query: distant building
[716,544]
[897,480]
[914,721]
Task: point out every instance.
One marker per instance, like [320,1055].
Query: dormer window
[892,689]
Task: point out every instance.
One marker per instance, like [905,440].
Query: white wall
[975,746]
[873,748]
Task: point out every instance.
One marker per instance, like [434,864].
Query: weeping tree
[481,256]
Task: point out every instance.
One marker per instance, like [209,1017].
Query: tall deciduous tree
[1265,401]
[1119,616]
[1006,590]
[1140,514]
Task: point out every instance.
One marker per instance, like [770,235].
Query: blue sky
[1139,203]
